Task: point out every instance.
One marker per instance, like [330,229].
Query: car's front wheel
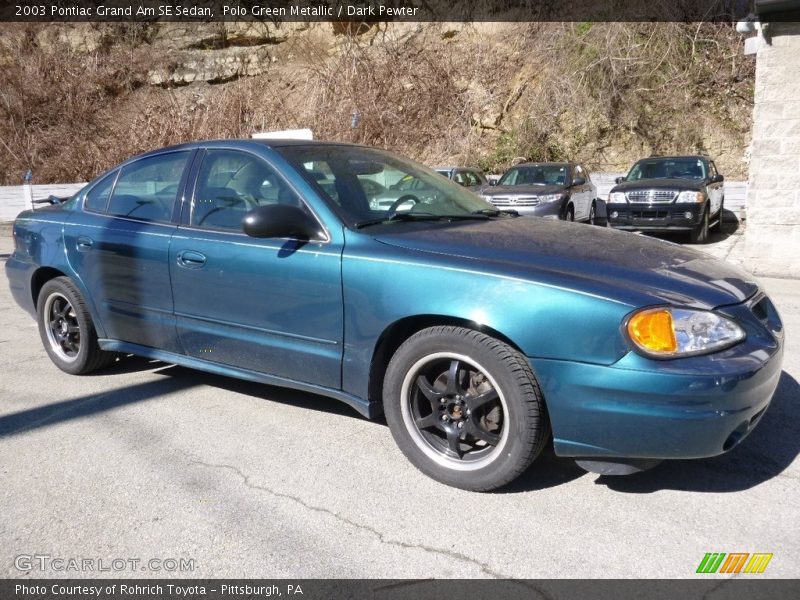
[66,329]
[593,213]
[699,235]
[464,408]
[718,226]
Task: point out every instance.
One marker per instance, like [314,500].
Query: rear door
[268,305]
[120,248]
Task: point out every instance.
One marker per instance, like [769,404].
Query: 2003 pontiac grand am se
[477,332]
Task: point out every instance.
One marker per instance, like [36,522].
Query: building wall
[772,237]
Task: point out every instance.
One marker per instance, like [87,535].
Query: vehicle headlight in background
[690,197]
[617,197]
[544,198]
[674,332]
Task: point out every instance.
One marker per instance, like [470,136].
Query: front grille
[514,200]
[649,214]
[650,196]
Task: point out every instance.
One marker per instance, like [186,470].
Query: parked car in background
[552,190]
[470,178]
[669,193]
[476,331]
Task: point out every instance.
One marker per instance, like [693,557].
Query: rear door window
[147,188]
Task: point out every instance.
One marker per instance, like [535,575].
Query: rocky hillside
[75,99]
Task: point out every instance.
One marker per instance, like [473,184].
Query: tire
[593,214]
[66,329]
[718,227]
[570,214]
[464,408]
[699,235]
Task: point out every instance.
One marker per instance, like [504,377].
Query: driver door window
[230,185]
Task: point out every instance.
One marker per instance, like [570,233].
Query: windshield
[367,184]
[668,168]
[535,175]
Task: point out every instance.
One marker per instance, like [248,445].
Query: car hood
[659,184]
[499,190]
[621,266]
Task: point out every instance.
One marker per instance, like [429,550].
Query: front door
[268,305]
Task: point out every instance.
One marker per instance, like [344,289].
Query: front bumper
[684,408]
[548,210]
[655,217]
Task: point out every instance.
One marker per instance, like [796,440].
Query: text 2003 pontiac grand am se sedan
[476,332]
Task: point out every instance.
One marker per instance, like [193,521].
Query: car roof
[244,143]
[544,163]
[659,157]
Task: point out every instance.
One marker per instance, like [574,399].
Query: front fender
[383,285]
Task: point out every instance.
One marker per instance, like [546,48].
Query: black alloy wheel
[465,408]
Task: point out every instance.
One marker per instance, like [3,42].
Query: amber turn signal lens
[653,330]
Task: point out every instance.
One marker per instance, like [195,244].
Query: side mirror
[578,181]
[493,182]
[280,221]
[619,180]
[717,178]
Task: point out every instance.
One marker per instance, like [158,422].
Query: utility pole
[27,189]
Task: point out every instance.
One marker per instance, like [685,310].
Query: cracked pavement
[147,460]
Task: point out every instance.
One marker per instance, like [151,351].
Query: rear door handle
[84,243]
[191,259]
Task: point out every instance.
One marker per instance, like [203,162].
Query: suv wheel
[699,235]
[464,408]
[718,226]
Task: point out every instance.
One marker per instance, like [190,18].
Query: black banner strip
[719,588]
[397,10]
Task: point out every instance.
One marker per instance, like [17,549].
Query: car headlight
[617,197]
[544,198]
[674,332]
[690,197]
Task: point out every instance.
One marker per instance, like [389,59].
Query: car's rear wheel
[66,329]
[464,408]
[699,235]
[593,213]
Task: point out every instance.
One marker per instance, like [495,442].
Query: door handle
[84,243]
[191,259]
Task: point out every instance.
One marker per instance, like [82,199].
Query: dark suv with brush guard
[669,193]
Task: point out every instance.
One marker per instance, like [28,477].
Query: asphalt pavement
[147,469]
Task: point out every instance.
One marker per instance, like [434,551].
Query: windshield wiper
[405,216]
[495,212]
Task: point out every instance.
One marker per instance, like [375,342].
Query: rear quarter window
[97,197]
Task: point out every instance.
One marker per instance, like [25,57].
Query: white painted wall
[12,198]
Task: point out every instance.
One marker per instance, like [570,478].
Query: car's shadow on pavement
[174,379]
[764,454]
